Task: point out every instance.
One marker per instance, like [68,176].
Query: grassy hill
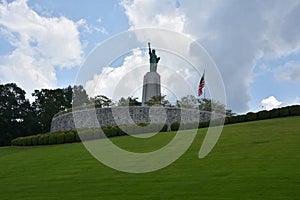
[253,160]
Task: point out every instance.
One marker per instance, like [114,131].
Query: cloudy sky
[255,44]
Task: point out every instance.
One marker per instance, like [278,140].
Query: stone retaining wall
[91,118]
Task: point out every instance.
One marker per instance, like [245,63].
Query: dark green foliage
[241,118]
[294,110]
[15,113]
[44,139]
[77,138]
[130,101]
[29,141]
[263,115]
[40,140]
[49,102]
[284,112]
[69,137]
[203,124]
[35,139]
[175,126]
[274,113]
[60,138]
[231,120]
[164,128]
[250,116]
[52,138]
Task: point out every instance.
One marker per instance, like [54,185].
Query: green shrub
[175,126]
[69,137]
[52,138]
[35,139]
[107,131]
[43,139]
[28,141]
[16,142]
[203,124]
[294,110]
[263,115]
[24,141]
[284,112]
[241,118]
[165,128]
[251,116]
[77,138]
[231,120]
[60,138]
[274,113]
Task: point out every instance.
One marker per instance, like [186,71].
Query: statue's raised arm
[149,47]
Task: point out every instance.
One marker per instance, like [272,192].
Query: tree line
[19,117]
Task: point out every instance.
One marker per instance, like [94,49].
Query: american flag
[201,85]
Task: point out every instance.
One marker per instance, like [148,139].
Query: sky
[255,45]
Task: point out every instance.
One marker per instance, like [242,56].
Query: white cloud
[40,45]
[270,103]
[121,81]
[290,71]
[127,80]
[87,28]
[149,13]
[236,34]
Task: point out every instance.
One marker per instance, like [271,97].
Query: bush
[263,115]
[69,137]
[52,138]
[175,126]
[164,128]
[240,118]
[284,112]
[203,124]
[35,139]
[251,116]
[77,138]
[60,138]
[45,139]
[29,140]
[274,113]
[231,120]
[294,110]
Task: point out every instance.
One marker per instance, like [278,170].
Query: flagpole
[204,86]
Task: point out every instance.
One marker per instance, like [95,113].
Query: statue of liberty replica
[151,86]
[153,59]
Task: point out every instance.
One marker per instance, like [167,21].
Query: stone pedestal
[151,86]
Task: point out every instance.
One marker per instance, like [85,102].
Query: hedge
[263,115]
[251,116]
[175,126]
[294,110]
[96,133]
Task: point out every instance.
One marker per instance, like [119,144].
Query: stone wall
[91,118]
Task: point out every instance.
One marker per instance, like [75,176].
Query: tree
[101,101]
[130,101]
[188,101]
[80,96]
[49,102]
[15,113]
[208,104]
[158,101]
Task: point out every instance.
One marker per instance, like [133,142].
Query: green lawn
[254,160]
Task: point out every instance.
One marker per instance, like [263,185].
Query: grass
[254,160]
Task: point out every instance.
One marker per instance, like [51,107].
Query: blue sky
[255,44]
